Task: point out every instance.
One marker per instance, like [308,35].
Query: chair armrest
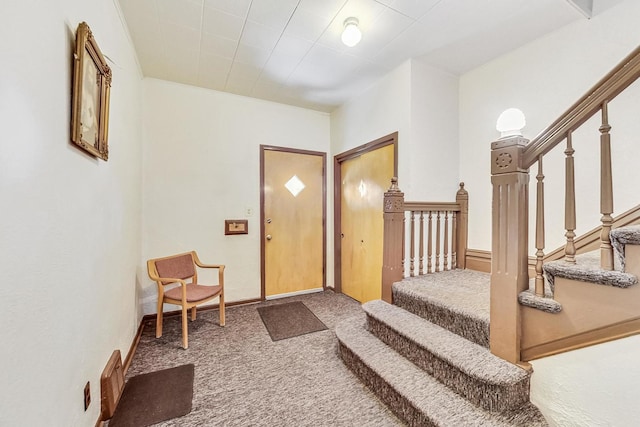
[203,265]
[220,266]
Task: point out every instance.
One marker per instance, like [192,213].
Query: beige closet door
[364,181]
[293,221]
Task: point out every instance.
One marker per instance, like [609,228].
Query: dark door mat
[289,320]
[154,397]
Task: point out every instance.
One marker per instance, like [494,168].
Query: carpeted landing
[427,355]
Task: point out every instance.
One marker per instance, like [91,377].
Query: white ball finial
[510,123]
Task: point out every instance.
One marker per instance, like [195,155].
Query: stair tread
[440,404]
[472,359]
[587,269]
[621,236]
[457,300]
[461,291]
[545,303]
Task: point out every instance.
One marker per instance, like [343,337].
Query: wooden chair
[178,269]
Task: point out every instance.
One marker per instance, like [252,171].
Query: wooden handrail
[606,89]
[432,206]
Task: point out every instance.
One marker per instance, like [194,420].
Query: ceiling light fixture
[351,35]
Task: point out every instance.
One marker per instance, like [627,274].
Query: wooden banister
[617,80]
[446,245]
[511,159]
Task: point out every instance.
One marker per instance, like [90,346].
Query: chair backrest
[178,267]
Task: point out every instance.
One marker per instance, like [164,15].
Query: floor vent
[111,385]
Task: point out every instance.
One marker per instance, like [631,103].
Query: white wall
[202,165]
[596,386]
[381,110]
[69,235]
[432,155]
[421,104]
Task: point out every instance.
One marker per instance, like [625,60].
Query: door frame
[264,148]
[338,159]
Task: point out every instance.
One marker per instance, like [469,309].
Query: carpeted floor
[243,378]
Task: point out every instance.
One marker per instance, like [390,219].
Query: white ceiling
[289,51]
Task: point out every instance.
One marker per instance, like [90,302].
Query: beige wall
[70,229]
[202,166]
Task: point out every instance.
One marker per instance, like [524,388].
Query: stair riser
[397,403]
[472,329]
[492,397]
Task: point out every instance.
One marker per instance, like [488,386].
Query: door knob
[268,236]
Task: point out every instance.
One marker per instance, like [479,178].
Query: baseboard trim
[132,348]
[597,336]
[293,294]
[478,260]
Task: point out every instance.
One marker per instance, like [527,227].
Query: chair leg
[221,309]
[193,313]
[159,319]
[185,327]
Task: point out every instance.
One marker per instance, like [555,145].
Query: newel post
[393,239]
[509,247]
[462,197]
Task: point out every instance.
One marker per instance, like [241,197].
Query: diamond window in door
[294,185]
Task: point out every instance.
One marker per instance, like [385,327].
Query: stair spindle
[412,245]
[539,229]
[570,202]
[454,241]
[445,246]
[437,241]
[606,191]
[404,233]
[429,245]
[421,249]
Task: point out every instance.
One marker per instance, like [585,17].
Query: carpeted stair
[586,269]
[426,356]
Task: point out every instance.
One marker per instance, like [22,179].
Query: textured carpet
[620,237]
[289,320]
[545,303]
[587,269]
[457,300]
[414,396]
[154,397]
[467,368]
[243,378]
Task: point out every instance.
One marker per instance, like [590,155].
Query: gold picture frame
[91,88]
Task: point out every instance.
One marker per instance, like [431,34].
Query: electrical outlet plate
[87,395]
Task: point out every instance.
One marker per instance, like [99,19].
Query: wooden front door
[293,211]
[364,179]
